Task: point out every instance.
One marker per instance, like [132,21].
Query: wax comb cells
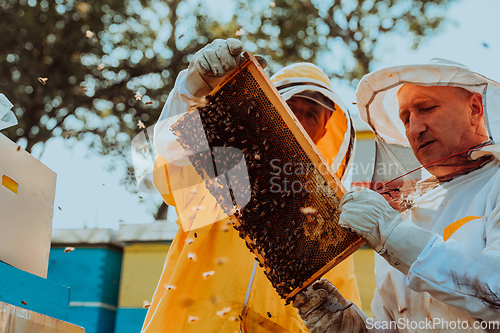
[284,201]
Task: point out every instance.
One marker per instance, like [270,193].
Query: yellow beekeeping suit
[211,282]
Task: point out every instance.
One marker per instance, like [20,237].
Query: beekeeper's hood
[378,101]
[309,81]
[396,168]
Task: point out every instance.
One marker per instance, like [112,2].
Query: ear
[476,107]
[477,118]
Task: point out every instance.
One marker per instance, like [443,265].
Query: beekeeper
[211,281]
[438,262]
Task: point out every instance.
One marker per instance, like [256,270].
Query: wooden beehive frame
[303,139]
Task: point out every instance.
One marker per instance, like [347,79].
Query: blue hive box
[92,270]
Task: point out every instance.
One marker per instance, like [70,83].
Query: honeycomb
[291,219]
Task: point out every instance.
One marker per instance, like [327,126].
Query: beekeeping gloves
[368,214]
[211,64]
[320,320]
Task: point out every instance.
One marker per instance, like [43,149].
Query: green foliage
[111,63]
[47,40]
[341,36]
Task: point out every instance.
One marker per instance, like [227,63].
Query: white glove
[320,320]
[210,65]
[368,214]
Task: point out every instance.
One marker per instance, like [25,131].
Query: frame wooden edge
[298,131]
[344,255]
[235,72]
[313,153]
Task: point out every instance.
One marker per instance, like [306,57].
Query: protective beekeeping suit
[438,267]
[211,281]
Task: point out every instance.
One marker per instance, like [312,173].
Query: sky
[470,36]
[88,196]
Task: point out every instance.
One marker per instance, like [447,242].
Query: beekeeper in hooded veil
[438,262]
[211,281]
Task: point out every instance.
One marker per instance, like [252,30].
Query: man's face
[311,115]
[439,122]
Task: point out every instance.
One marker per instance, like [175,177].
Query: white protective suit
[454,285]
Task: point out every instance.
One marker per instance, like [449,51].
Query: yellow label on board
[9,183]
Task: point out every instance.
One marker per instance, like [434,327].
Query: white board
[25,216]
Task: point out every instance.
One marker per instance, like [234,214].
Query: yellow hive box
[144,252]
[141,269]
[27,192]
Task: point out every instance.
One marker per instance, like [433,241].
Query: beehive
[251,147]
[92,271]
[144,252]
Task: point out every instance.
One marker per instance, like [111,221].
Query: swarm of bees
[293,231]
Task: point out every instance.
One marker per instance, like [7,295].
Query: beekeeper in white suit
[438,267]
